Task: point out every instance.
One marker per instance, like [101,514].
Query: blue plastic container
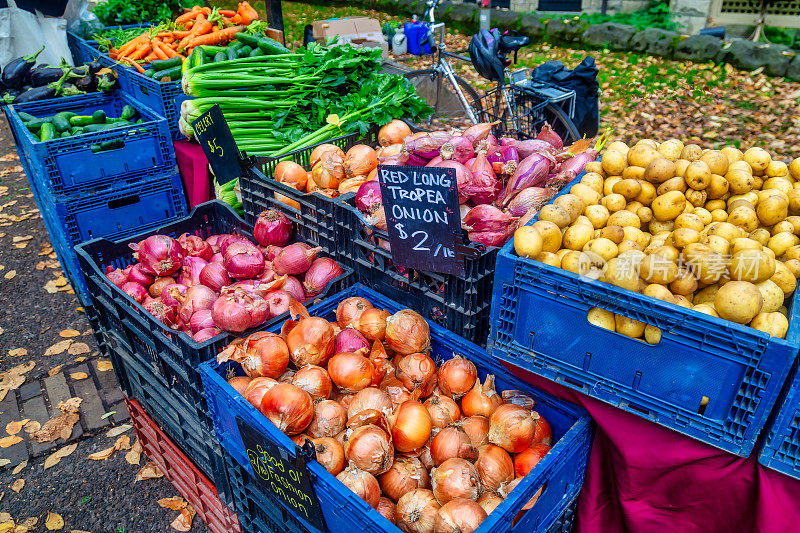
[562,469]
[417,37]
[708,378]
[67,165]
[781,448]
[165,98]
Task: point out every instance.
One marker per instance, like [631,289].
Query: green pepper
[48,132]
[99,116]
[166,64]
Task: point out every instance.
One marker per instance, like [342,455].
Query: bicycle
[521,106]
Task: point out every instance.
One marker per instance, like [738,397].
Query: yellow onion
[477,429]
[372,324]
[407,332]
[489,501]
[452,442]
[351,184]
[291,173]
[300,439]
[370,398]
[317,152]
[310,342]
[350,309]
[456,478]
[411,426]
[290,408]
[392,150]
[443,410]
[527,459]
[426,457]
[370,449]
[407,473]
[457,376]
[495,467]
[512,427]
[263,354]
[459,516]
[393,133]
[417,371]
[360,160]
[330,454]
[350,371]
[482,399]
[239,383]
[362,483]
[314,380]
[328,171]
[256,390]
[398,393]
[387,509]
[507,489]
[330,418]
[416,511]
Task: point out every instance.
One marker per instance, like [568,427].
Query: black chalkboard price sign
[216,139]
[422,217]
[282,476]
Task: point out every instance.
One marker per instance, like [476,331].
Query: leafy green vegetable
[122,12]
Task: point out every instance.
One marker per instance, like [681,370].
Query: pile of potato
[711,230]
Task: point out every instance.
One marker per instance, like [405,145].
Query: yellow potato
[740,165]
[738,301]
[629,188]
[784,226]
[613,162]
[658,226]
[668,206]
[794,168]
[758,182]
[717,187]
[713,204]
[705,295]
[636,235]
[619,146]
[652,334]
[582,220]
[628,245]
[777,169]
[648,142]
[645,215]
[698,175]
[636,173]
[793,252]
[576,236]
[744,243]
[772,295]
[784,279]
[641,155]
[671,149]
[760,235]
[628,326]
[744,216]
[781,242]
[680,167]
[751,265]
[666,251]
[708,265]
[624,218]
[758,159]
[613,202]
[794,220]
[672,184]
[718,244]
[685,284]
[608,184]
[778,184]
[774,324]
[601,318]
[706,309]
[603,247]
[623,271]
[659,169]
[689,220]
[717,161]
[691,152]
[594,166]
[725,229]
[555,214]
[583,264]
[732,153]
[683,301]
[740,181]
[658,269]
[572,204]
[550,233]
[597,214]
[549,258]
[588,195]
[527,242]
[683,236]
[695,198]
[648,193]
[659,292]
[613,233]
[719,215]
[794,267]
[594,181]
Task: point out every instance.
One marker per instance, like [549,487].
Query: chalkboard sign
[284,477]
[422,217]
[216,139]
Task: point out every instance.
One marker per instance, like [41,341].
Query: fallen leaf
[134,456]
[32,427]
[18,485]
[149,471]
[176,503]
[104,366]
[57,455]
[7,442]
[80,359]
[79,348]
[118,430]
[54,521]
[69,333]
[16,352]
[183,522]
[4,461]
[19,467]
[61,425]
[103,454]
[59,347]
[30,522]
[5,517]
[78,375]
[53,371]
[123,443]
[21,239]
[10,274]
[70,405]
[12,428]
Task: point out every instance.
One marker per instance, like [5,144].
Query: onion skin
[452,442]
[417,372]
[411,426]
[457,376]
[314,380]
[527,459]
[266,355]
[477,429]
[443,410]
[495,467]
[459,516]
[311,342]
[362,483]
[482,399]
[290,408]
[406,474]
[489,501]
[456,478]
[256,390]
[416,511]
[195,246]
[370,449]
[350,371]
[368,197]
[117,276]
[543,433]
[512,428]
[387,509]
[137,291]
[317,152]
[407,332]
[330,418]
[370,398]
[330,454]
[159,285]
[350,310]
[372,324]
[239,383]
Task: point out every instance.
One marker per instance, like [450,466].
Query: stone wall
[691,15]
[614,6]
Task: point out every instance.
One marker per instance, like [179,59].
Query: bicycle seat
[512,43]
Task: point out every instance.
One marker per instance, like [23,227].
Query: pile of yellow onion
[432,449]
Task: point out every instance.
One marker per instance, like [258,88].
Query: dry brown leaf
[118,430]
[134,456]
[61,425]
[16,352]
[176,503]
[18,485]
[19,467]
[123,443]
[10,274]
[69,333]
[103,454]
[30,522]
[59,347]
[7,442]
[149,471]
[4,461]
[104,366]
[32,427]
[14,427]
[57,455]
[78,375]
[54,522]
[79,348]
[53,371]
[21,238]
[5,517]
[71,405]
[80,359]
[183,522]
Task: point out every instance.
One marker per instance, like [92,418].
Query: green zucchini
[244,51]
[247,39]
[166,64]
[48,132]
[172,74]
[25,116]
[99,116]
[128,112]
[231,53]
[79,120]
[271,47]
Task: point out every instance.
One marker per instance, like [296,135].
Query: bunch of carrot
[198,26]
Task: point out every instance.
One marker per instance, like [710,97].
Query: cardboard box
[358,31]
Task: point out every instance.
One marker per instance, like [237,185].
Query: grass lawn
[641,96]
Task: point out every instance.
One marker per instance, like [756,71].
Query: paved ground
[37,312]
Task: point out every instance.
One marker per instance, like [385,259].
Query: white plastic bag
[22,33]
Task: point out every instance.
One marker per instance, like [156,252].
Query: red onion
[214,276]
[137,275]
[496,237]
[532,172]
[294,259]
[488,145]
[214,242]
[478,132]
[463,178]
[320,273]
[197,297]
[547,134]
[415,160]
[425,146]
[272,227]
[529,147]
[484,186]
[396,160]
[458,148]
[227,240]
[556,182]
[164,313]
[190,271]
[508,141]
[173,295]
[237,310]
[205,334]
[435,161]
[368,198]
[216,258]
[271,252]
[117,277]
[487,218]
[200,320]
[160,255]
[294,288]
[277,302]
[528,198]
[137,291]
[349,340]
[578,163]
[268,274]
[159,285]
[243,260]
[195,246]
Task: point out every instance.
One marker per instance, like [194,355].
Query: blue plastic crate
[708,378]
[67,165]
[562,469]
[781,448]
[165,98]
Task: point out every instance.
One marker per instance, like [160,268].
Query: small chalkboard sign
[422,217]
[217,141]
[282,476]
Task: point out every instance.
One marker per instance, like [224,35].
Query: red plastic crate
[184,475]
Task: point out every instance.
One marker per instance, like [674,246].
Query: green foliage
[657,15]
[786,36]
[122,12]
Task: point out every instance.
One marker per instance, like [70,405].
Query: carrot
[140,52]
[133,44]
[135,64]
[246,13]
[227,12]
[150,57]
[158,52]
[168,40]
[186,17]
[166,50]
[220,37]
[201,27]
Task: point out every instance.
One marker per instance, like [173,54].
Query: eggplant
[37,93]
[106,82]
[86,83]
[16,72]
[95,66]
[42,75]
[68,89]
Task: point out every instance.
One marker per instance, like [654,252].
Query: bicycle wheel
[561,123]
[448,109]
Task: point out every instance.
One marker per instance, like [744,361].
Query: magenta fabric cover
[193,166]
[645,478]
